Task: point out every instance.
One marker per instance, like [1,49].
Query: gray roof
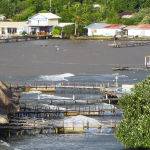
[96,26]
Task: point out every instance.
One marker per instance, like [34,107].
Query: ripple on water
[69,142]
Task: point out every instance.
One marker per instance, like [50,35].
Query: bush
[134,129]
[24,33]
[146,20]
[68,31]
[56,32]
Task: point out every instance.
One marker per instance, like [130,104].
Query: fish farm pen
[38,116]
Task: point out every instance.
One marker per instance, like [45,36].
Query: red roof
[139,27]
[143,26]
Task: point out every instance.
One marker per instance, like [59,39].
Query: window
[3,30]
[11,30]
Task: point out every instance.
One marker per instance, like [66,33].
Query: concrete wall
[53,22]
[102,32]
[139,32]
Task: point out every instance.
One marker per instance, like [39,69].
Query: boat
[119,68]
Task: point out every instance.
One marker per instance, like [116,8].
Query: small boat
[119,68]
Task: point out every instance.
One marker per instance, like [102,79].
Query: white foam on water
[57,77]
[120,76]
[47,96]
[39,95]
[2,143]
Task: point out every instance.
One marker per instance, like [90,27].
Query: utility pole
[76,20]
[75,29]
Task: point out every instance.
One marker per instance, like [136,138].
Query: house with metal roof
[103,29]
[112,29]
[141,30]
[12,28]
[39,24]
[42,22]
[95,29]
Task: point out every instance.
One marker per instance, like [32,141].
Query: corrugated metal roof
[49,15]
[139,27]
[96,26]
[44,15]
[144,26]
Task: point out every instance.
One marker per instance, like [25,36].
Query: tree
[80,12]
[24,14]
[134,129]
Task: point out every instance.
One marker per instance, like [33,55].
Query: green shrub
[56,32]
[134,129]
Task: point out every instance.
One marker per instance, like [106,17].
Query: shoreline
[101,38]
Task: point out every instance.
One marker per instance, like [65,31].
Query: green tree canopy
[81,12]
[134,129]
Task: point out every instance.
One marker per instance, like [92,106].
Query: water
[76,61]
[92,140]
[77,57]
[66,142]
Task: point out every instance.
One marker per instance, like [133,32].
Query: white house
[42,22]
[142,30]
[112,29]
[12,28]
[95,29]
[103,29]
[39,23]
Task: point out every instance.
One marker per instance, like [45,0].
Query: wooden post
[9,135]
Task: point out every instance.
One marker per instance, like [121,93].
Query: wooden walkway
[69,102]
[53,88]
[100,112]
[24,38]
[130,67]
[60,112]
